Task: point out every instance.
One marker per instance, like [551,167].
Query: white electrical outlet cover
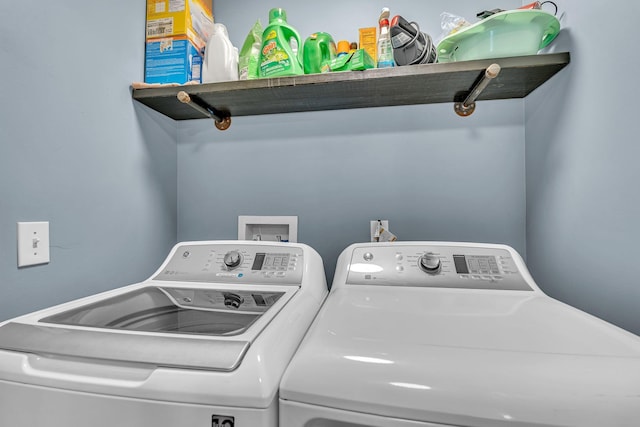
[33,243]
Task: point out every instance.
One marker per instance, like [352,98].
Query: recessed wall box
[268,228]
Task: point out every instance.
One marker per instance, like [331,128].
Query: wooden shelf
[416,84]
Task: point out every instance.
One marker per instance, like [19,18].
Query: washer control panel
[239,263]
[435,266]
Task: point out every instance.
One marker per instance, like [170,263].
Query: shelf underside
[416,84]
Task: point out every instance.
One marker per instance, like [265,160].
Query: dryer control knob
[430,263]
[232,259]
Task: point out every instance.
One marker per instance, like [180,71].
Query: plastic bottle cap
[277,13]
[343,46]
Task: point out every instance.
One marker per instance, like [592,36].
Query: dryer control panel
[435,266]
[241,263]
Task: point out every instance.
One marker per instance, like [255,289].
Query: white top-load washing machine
[455,334]
[202,343]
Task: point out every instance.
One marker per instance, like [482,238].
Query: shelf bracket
[222,121]
[468,106]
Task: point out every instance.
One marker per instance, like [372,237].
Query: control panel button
[368,256]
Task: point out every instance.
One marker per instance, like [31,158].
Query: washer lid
[126,348]
[194,328]
[460,357]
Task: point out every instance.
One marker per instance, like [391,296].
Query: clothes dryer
[201,343]
[455,334]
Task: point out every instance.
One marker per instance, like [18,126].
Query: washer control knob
[232,259]
[430,263]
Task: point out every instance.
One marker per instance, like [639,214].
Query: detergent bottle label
[276,59]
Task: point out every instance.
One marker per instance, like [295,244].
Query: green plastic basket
[508,33]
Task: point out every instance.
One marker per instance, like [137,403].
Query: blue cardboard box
[172,60]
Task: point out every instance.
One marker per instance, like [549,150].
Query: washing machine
[202,343]
[455,334]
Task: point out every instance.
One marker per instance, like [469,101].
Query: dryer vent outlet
[376,226]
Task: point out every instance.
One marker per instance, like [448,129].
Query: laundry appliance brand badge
[228,275]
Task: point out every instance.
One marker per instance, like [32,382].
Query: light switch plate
[33,243]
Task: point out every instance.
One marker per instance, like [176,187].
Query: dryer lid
[468,358]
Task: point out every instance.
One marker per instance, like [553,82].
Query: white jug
[220,57]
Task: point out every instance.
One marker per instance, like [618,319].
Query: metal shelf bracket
[468,106]
[222,121]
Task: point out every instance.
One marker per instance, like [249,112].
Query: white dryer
[202,343]
[455,334]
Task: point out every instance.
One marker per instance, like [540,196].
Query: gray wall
[583,201]
[432,174]
[75,150]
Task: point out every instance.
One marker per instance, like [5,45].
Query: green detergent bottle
[318,51]
[280,53]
